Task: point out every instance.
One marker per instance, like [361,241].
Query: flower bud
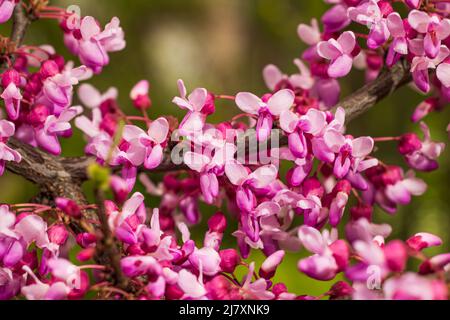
[396,255]
[220,288]
[340,290]
[409,143]
[69,207]
[48,69]
[85,239]
[270,265]
[217,223]
[86,254]
[139,95]
[229,260]
[423,240]
[362,210]
[38,115]
[58,234]
[279,288]
[10,76]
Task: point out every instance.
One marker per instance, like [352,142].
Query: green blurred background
[223,45]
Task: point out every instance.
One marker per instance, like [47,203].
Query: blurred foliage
[223,45]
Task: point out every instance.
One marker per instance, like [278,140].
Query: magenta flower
[139,95]
[340,53]
[401,191]
[256,290]
[423,240]
[94,45]
[210,165]
[12,97]
[370,14]
[240,177]
[351,152]
[265,110]
[424,157]
[433,27]
[6,153]
[312,123]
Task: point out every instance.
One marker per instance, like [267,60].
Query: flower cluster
[324,204]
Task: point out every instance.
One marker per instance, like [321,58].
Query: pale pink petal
[312,239]
[158,130]
[340,67]
[190,284]
[395,25]
[236,172]
[330,50]
[347,41]
[198,98]
[419,20]
[362,147]
[263,176]
[89,96]
[443,74]
[272,76]
[248,102]
[334,140]
[281,101]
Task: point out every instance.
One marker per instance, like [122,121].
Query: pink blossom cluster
[323,205]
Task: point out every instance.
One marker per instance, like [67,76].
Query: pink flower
[399,46]
[240,177]
[369,14]
[435,30]
[139,95]
[401,191]
[47,136]
[255,290]
[44,291]
[210,165]
[191,285]
[33,228]
[265,110]
[12,97]
[340,53]
[322,265]
[423,240]
[135,266]
[144,147]
[310,34]
[424,158]
[271,264]
[58,89]
[6,153]
[6,9]
[206,260]
[336,18]
[312,123]
[94,45]
[92,98]
[410,286]
[351,152]
[194,103]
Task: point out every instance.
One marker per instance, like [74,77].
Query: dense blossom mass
[323,205]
